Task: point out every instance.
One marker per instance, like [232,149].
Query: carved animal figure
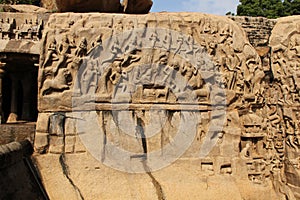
[59,83]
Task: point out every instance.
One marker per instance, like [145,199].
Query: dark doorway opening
[19,88]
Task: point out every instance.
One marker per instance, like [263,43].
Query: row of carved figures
[31,29]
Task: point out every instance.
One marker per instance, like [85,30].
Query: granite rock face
[19,178]
[285,44]
[164,105]
[161,99]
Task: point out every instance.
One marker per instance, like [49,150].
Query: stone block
[42,124]
[56,145]
[70,144]
[79,147]
[41,142]
[70,126]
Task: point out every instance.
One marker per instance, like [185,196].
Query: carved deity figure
[64,49]
[51,53]
[81,50]
[290,131]
[7,29]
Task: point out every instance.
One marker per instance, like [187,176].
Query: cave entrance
[19,88]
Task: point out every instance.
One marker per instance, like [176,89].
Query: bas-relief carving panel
[285,69]
[198,63]
[154,50]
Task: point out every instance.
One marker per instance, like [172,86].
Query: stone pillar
[13,115]
[2,65]
[28,87]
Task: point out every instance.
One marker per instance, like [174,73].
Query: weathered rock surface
[19,178]
[184,179]
[166,106]
[172,101]
[22,8]
[12,132]
[285,43]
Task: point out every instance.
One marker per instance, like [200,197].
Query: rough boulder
[137,6]
[82,5]
[107,6]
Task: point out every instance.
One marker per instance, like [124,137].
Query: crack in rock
[156,184]
[66,172]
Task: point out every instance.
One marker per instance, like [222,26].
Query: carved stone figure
[59,83]
[63,51]
[52,52]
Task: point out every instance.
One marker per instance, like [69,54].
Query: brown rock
[22,8]
[137,6]
[82,5]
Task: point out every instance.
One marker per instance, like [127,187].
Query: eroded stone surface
[139,92]
[285,68]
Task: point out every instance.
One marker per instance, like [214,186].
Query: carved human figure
[225,33]
[118,26]
[89,80]
[116,72]
[130,58]
[7,29]
[51,53]
[36,29]
[64,49]
[30,31]
[211,45]
[269,139]
[279,66]
[293,50]
[115,50]
[170,73]
[188,70]
[81,50]
[96,43]
[185,44]
[285,89]
[129,25]
[289,131]
[167,41]
[109,80]
[254,77]
[153,39]
[132,44]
